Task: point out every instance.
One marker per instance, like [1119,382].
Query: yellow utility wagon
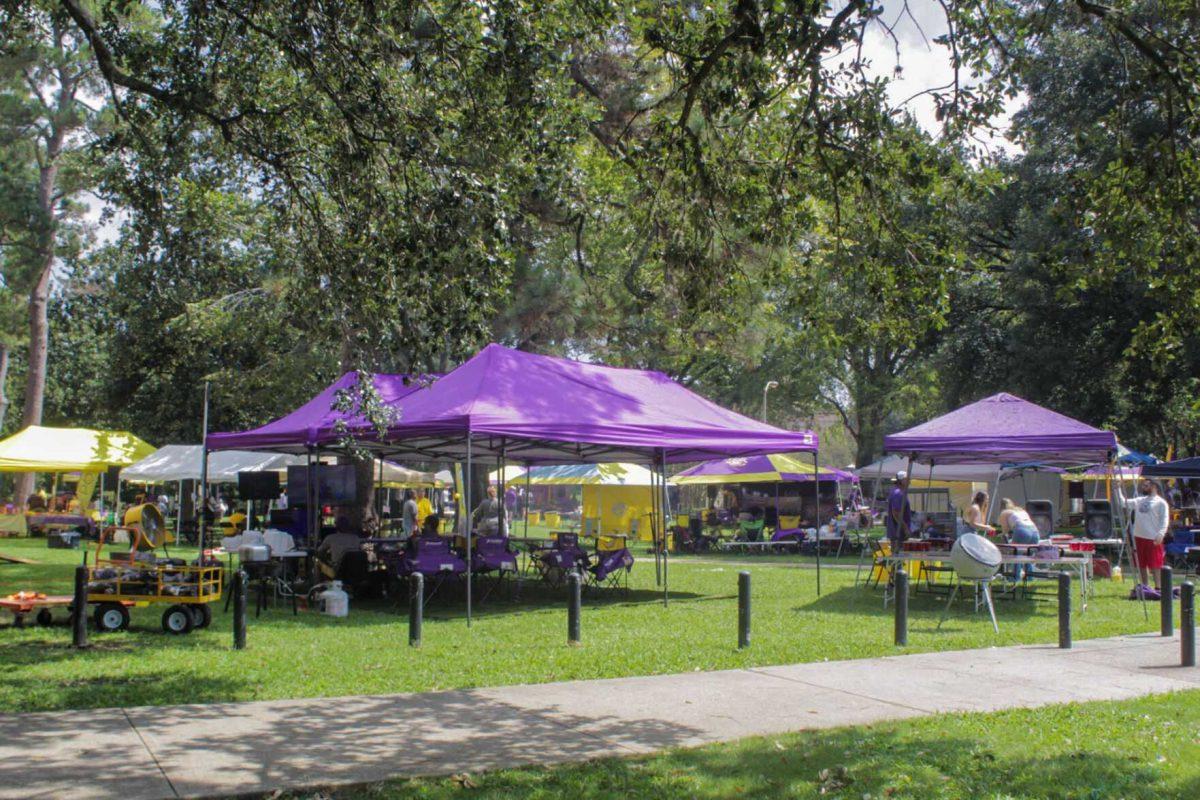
[140,577]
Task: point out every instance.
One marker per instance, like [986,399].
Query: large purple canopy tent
[318,423]
[505,404]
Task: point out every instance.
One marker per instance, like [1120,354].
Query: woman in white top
[1017,524]
[976,515]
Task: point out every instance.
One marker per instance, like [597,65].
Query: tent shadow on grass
[858,600]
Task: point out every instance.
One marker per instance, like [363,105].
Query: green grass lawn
[1147,748]
[510,642]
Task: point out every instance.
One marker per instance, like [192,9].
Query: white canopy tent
[1000,480]
[182,462]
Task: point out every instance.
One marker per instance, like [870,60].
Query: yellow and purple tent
[774,468]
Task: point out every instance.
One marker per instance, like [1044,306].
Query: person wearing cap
[1151,518]
[899,512]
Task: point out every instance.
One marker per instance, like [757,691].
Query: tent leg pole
[179,513]
[666,507]
[203,528]
[817,513]
[468,481]
[527,489]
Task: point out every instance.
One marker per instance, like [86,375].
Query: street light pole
[766,388]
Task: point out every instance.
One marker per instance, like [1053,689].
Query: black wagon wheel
[110,617]
[201,615]
[177,620]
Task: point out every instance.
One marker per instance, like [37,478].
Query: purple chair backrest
[491,544]
[567,541]
[432,545]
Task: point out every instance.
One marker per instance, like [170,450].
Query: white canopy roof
[887,468]
[182,462]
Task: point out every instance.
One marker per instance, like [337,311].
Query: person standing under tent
[899,512]
[408,514]
[1151,516]
[510,502]
[486,517]
[976,515]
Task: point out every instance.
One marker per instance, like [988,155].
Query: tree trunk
[39,299]
[3,385]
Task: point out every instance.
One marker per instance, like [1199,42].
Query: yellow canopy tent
[39,449]
[617,495]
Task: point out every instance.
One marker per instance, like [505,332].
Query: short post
[1187,623]
[743,610]
[574,602]
[666,593]
[1166,603]
[1064,610]
[901,579]
[79,636]
[240,587]
[416,608]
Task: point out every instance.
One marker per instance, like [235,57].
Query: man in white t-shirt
[1151,516]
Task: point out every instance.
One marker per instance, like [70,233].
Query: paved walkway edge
[229,749]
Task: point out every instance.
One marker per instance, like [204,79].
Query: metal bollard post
[1167,603]
[1187,623]
[743,610]
[901,579]
[240,587]
[574,600]
[666,597]
[79,636]
[1064,610]
[416,608]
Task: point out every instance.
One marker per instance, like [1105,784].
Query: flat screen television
[336,482]
[258,485]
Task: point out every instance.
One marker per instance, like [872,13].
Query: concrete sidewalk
[232,748]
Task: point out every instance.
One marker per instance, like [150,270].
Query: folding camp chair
[432,557]
[563,557]
[493,560]
[880,550]
[612,566]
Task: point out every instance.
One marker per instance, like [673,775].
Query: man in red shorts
[1151,515]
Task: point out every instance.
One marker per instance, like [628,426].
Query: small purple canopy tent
[1004,428]
[508,404]
[1007,429]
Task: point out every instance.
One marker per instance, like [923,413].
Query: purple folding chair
[611,569]
[494,558]
[564,557]
[432,557]
[788,538]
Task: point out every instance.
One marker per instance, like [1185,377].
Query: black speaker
[1042,514]
[1097,519]
[111,476]
[1075,490]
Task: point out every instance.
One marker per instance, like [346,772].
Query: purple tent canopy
[540,410]
[544,410]
[316,422]
[1007,429]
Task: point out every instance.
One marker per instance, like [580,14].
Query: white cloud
[923,65]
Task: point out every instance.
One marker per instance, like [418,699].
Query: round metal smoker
[976,560]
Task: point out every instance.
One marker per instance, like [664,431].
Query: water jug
[334,601]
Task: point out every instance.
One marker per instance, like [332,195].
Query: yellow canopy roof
[38,449]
